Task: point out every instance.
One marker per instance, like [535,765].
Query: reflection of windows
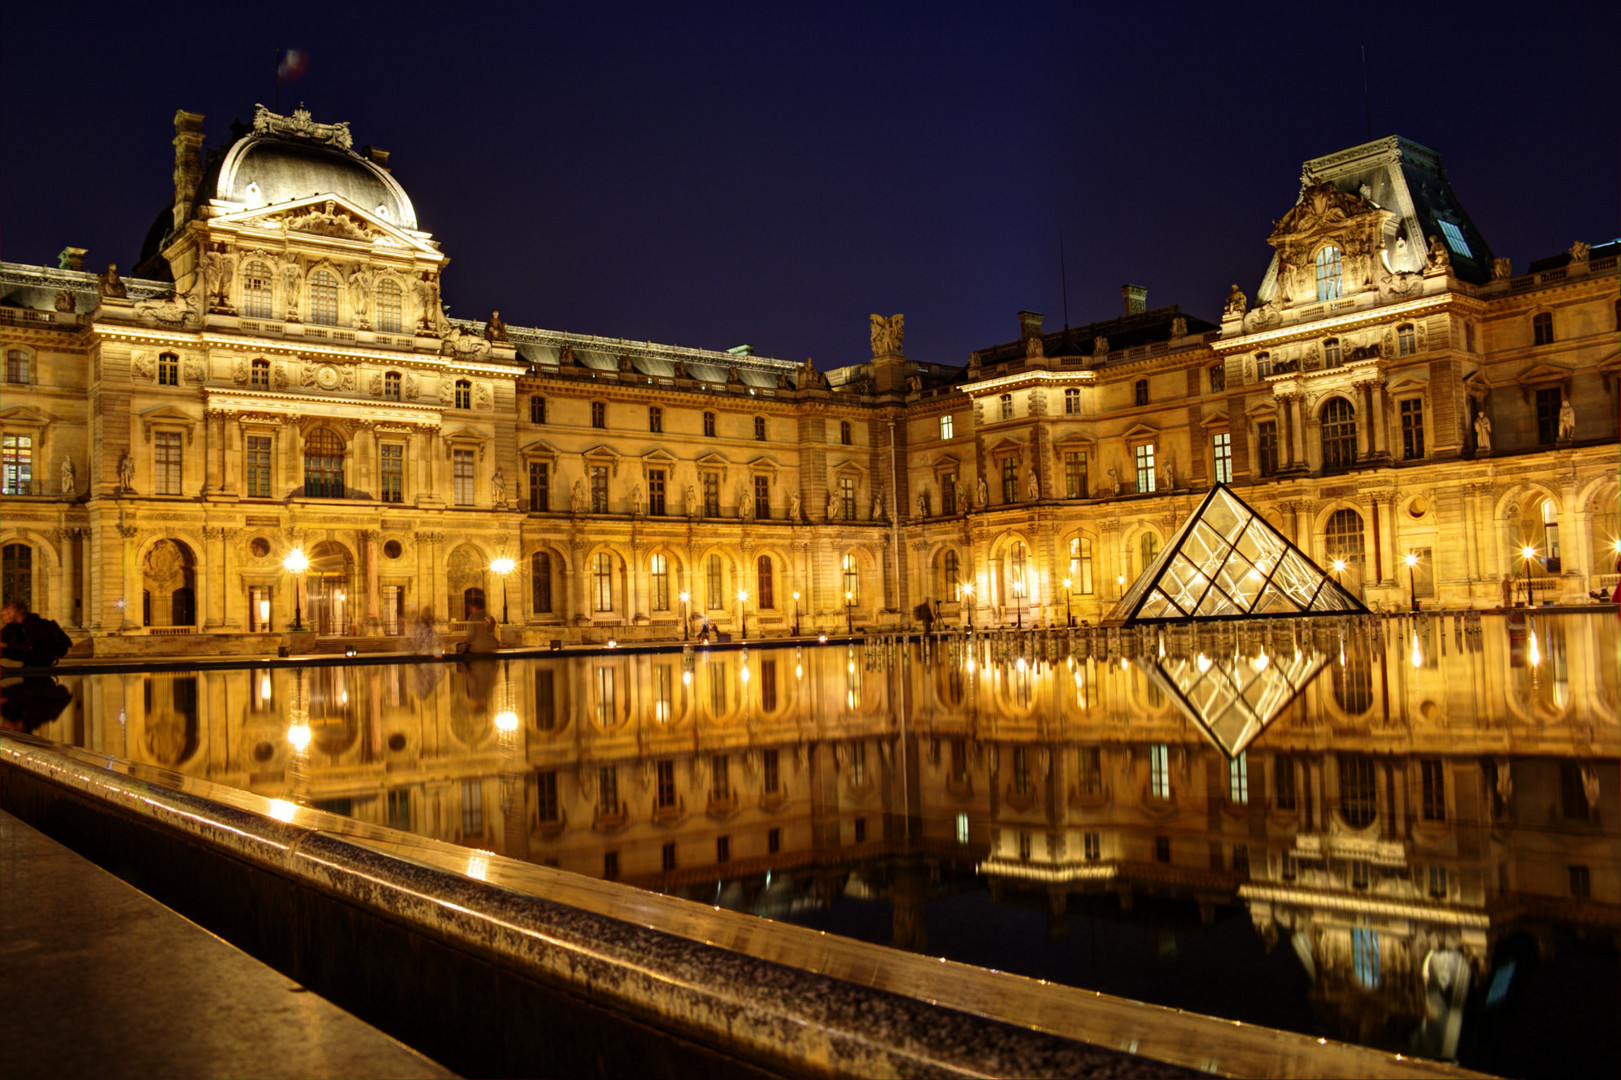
[1572,792]
[858,764]
[663,693]
[1328,268]
[472,808]
[1433,794]
[852,581]
[1221,449]
[768,685]
[665,771]
[1283,783]
[1581,882]
[717,688]
[545,699]
[602,581]
[667,855]
[1365,956]
[392,472]
[720,776]
[1159,771]
[1094,846]
[959,761]
[771,772]
[463,472]
[1090,779]
[1238,779]
[1357,790]
[258,466]
[1022,783]
[608,789]
[606,703]
[546,795]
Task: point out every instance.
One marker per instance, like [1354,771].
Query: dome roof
[271,169]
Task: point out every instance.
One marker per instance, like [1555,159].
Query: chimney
[1029,325]
[1136,297]
[376,155]
[188,162]
[71,258]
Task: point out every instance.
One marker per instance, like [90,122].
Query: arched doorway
[329,589]
[169,585]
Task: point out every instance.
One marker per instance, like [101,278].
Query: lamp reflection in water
[968,604]
[298,737]
[1411,559]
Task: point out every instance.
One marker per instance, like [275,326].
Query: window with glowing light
[1328,267]
[659,572]
[1010,479]
[1238,779]
[1550,529]
[1159,771]
[1080,564]
[948,584]
[1221,452]
[602,581]
[663,693]
[463,473]
[1145,468]
[1338,428]
[1075,481]
[606,695]
[259,375]
[946,426]
[852,580]
[1342,539]
[256,461]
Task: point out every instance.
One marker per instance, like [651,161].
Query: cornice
[1349,321]
[266,401]
[285,347]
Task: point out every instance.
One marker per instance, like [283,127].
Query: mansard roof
[1150,327]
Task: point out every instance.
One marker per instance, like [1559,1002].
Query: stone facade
[279,373]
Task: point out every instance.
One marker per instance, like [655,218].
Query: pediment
[1216,419]
[713,462]
[659,459]
[1611,365]
[1407,385]
[849,467]
[539,448]
[1542,374]
[24,415]
[330,216]
[1322,210]
[764,464]
[168,415]
[948,463]
[1141,431]
[1005,447]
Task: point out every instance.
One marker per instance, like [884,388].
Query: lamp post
[850,612]
[796,613]
[501,567]
[1412,592]
[1018,603]
[1339,568]
[742,614]
[685,621]
[1069,619]
[295,564]
[1527,554]
[968,604]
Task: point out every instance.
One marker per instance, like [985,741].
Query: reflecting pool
[1402,833]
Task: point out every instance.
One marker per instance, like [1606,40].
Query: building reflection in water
[1415,812]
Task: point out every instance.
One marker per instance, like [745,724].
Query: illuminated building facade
[279,373]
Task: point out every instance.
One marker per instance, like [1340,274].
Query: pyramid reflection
[1227,562]
[1233,698]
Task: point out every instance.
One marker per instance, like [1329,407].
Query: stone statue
[1567,421]
[1579,251]
[565,357]
[1179,327]
[498,486]
[1034,347]
[110,284]
[793,507]
[962,498]
[1100,346]
[578,500]
[292,277]
[733,377]
[832,507]
[126,472]
[217,273]
[1114,481]
[878,502]
[70,479]
[887,335]
[358,293]
[1502,268]
[692,501]
[1032,487]
[1167,476]
[922,504]
[66,301]
[495,329]
[638,501]
[745,505]
[1483,434]
[1237,304]
[1440,258]
[982,494]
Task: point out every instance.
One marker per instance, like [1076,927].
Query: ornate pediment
[1005,447]
[1542,375]
[1321,210]
[328,216]
[1217,419]
[540,448]
[300,126]
[602,454]
[713,462]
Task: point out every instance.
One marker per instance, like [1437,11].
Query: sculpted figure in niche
[793,507]
[745,505]
[1440,257]
[878,502]
[1033,348]
[692,501]
[498,486]
[1032,487]
[1567,421]
[982,494]
[638,501]
[126,472]
[962,498]
[292,276]
[495,329]
[110,284]
[1483,434]
[1237,304]
[357,293]
[577,500]
[832,507]
[70,480]
[1114,481]
[922,504]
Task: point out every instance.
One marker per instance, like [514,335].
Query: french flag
[290,64]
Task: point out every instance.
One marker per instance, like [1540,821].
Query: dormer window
[464,394]
[1330,285]
[388,306]
[324,298]
[391,386]
[1006,401]
[1331,353]
[1406,340]
[257,283]
[259,375]
[1455,240]
[168,369]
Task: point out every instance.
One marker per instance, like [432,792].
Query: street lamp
[1528,553]
[685,621]
[1339,568]
[1018,602]
[1069,619]
[796,613]
[850,612]
[501,567]
[1412,592]
[968,605]
[295,564]
[742,614]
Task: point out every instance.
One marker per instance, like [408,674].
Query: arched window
[257,286]
[852,581]
[844,432]
[388,306]
[1139,392]
[763,577]
[391,386]
[324,298]
[17,574]
[1542,328]
[1339,434]
[1080,565]
[540,583]
[464,394]
[1328,266]
[1147,550]
[602,581]
[658,566]
[1343,539]
[1550,529]
[759,429]
[709,424]
[259,375]
[323,464]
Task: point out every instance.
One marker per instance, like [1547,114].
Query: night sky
[706,176]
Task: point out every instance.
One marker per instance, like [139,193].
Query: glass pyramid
[1232,699]
[1226,562]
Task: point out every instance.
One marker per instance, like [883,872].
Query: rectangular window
[1093,846]
[773,841]
[1454,239]
[599,489]
[1162,849]
[472,808]
[392,472]
[1241,860]
[762,497]
[709,424]
[723,848]
[465,468]
[259,377]
[258,465]
[1263,365]
[1548,401]
[1221,447]
[659,570]
[667,856]
[1090,779]
[655,492]
[1075,486]
[655,418]
[603,581]
[168,370]
[399,809]
[1159,771]
[540,486]
[607,699]
[759,429]
[391,386]
[720,775]
[1283,783]
[1218,379]
[948,493]
[1266,447]
[464,394]
[599,414]
[608,790]
[1072,401]
[1581,882]
[1006,402]
[711,494]
[945,426]
[771,773]
[546,795]
[1080,564]
[1406,340]
[166,463]
[847,498]
[1331,353]
[1433,780]
[713,598]
[1238,779]
[537,409]
[1145,468]
[1010,479]
[1412,428]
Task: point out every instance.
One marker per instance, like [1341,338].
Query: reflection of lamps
[1527,553]
[296,563]
[742,613]
[502,567]
[968,591]
[850,612]
[1412,592]
[684,620]
[1069,619]
[796,613]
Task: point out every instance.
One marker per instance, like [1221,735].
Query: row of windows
[655,419]
[258,291]
[605,565]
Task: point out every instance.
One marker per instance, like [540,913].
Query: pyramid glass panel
[1234,698]
[1227,562]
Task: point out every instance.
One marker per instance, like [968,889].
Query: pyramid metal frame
[1228,562]
[1233,699]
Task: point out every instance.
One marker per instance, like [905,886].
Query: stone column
[1303,528]
[582,583]
[1387,529]
[213,451]
[1364,430]
[1570,540]
[64,587]
[1471,539]
[208,576]
[1377,415]
[368,544]
[233,598]
[231,453]
[638,581]
[132,578]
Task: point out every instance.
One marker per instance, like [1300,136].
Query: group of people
[26,640]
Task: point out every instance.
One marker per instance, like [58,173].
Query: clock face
[327,377]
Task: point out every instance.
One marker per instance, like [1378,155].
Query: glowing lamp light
[502,565]
[1259,664]
[1528,552]
[686,678]
[1615,545]
[1412,560]
[1418,655]
[822,638]
[264,612]
[742,595]
[613,643]
[744,674]
[1204,663]
[296,561]
[684,597]
[1536,653]
[1066,583]
[1339,566]
[282,810]
[506,720]
[299,737]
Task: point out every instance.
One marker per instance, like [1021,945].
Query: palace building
[278,373]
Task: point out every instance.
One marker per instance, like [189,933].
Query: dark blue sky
[711,175]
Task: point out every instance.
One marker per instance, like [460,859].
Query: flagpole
[275,71]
